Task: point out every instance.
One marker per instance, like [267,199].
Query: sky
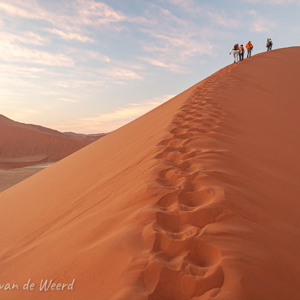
[91,66]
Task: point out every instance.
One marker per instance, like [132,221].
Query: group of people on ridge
[239,51]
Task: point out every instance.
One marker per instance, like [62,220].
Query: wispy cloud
[13,71]
[68,100]
[120,73]
[273,1]
[70,35]
[27,38]
[177,47]
[172,42]
[133,110]
[14,53]
[259,23]
[75,83]
[75,20]
[222,19]
[70,15]
[113,75]
[169,66]
[23,114]
[181,3]
[21,9]
[185,5]
[110,121]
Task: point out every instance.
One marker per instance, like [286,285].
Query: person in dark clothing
[242,51]
[269,44]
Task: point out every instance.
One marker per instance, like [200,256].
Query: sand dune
[198,199]
[88,138]
[10,177]
[23,145]
[27,149]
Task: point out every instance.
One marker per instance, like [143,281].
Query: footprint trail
[182,265]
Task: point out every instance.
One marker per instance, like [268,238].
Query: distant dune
[88,138]
[25,145]
[27,149]
[197,199]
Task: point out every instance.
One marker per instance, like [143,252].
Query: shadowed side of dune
[26,145]
[22,145]
[197,199]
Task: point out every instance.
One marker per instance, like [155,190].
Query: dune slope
[24,145]
[198,199]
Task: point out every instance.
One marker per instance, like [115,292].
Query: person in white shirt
[235,50]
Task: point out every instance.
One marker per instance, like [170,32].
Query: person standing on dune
[242,52]
[235,50]
[269,44]
[249,47]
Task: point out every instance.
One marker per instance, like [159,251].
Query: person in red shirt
[249,47]
[235,50]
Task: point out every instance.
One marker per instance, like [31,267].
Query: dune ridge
[197,199]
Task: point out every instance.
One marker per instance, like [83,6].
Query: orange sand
[24,145]
[198,199]
[27,149]
[10,177]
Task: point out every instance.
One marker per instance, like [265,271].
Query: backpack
[236,47]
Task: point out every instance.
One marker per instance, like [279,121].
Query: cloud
[65,14]
[177,47]
[70,35]
[67,19]
[68,100]
[110,121]
[16,48]
[133,110]
[223,20]
[13,71]
[260,24]
[171,66]
[96,56]
[92,12]
[185,5]
[172,41]
[27,38]
[119,73]
[89,78]
[14,53]
[73,83]
[21,9]
[23,114]
[276,2]
[181,3]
